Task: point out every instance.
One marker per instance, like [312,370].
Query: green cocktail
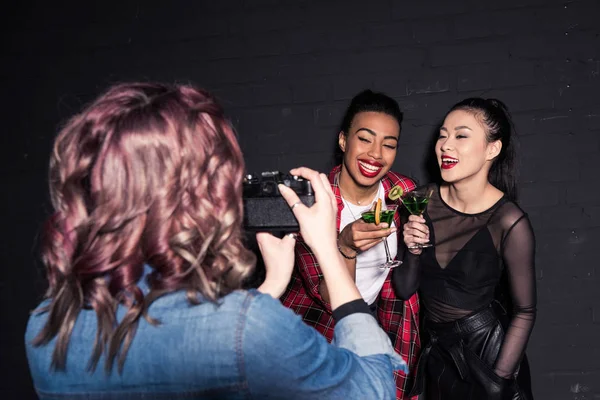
[415,204]
[387,216]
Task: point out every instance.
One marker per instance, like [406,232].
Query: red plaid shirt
[400,319]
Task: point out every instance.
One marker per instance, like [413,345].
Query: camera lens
[269,188]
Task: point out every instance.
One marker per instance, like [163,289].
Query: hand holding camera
[317,226]
[264,208]
[317,223]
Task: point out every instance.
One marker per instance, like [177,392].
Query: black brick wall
[285,71]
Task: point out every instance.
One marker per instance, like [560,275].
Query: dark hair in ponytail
[496,118]
[367,101]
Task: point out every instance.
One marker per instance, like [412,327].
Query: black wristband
[351,307]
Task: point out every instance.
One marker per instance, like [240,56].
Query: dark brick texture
[285,71]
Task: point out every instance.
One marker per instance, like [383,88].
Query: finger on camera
[290,238]
[264,237]
[309,174]
[290,197]
[266,240]
[315,181]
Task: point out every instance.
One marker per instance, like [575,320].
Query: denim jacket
[246,347]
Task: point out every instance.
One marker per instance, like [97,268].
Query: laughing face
[462,148]
[369,147]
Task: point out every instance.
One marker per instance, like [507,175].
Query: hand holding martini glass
[386,215]
[416,202]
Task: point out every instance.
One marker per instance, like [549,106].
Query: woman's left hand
[278,256]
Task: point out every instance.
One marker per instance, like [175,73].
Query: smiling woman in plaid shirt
[368,139]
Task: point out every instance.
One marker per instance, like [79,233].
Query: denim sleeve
[282,357]
[361,334]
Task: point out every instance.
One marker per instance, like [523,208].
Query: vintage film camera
[264,208]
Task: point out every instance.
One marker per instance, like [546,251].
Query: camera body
[264,208]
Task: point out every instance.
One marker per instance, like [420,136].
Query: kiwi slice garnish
[395,193]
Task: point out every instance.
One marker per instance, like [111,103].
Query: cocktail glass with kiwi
[378,215]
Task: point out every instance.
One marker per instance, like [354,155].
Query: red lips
[369,169]
[448,162]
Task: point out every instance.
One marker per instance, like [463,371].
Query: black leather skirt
[457,361]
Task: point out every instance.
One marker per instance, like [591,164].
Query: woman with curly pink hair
[145,261]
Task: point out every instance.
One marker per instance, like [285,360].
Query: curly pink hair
[147,174]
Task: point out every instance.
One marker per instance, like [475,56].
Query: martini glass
[387,216]
[416,203]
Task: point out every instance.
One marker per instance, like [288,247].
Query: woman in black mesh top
[479,233]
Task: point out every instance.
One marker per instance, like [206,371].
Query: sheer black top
[460,273]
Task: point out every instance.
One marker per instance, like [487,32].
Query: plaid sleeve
[310,272]
[302,295]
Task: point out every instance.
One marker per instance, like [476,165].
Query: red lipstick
[448,162]
[369,169]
